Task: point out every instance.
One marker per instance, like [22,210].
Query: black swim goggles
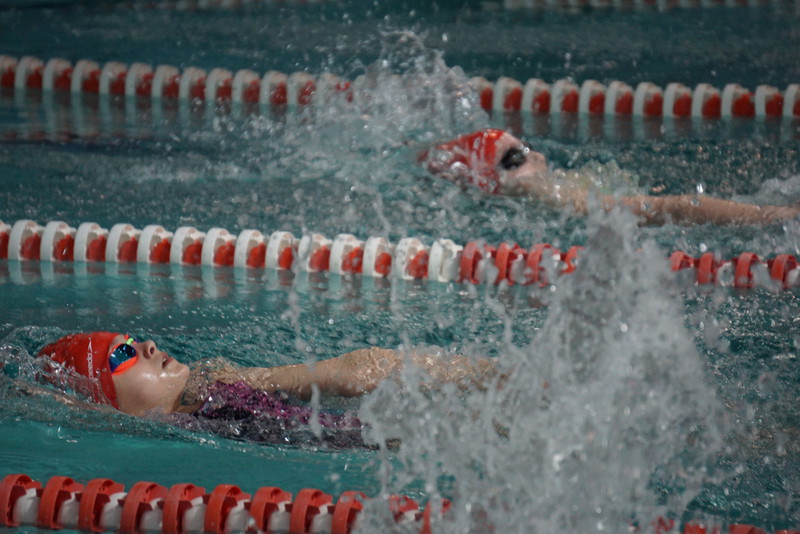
[515,156]
[123,356]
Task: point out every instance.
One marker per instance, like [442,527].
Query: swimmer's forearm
[699,209]
[679,209]
[350,375]
[361,371]
[296,380]
[653,210]
[35,389]
[455,369]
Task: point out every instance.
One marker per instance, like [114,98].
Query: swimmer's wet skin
[500,164]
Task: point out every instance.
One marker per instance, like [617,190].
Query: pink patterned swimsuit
[238,411]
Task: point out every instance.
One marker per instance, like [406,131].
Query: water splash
[604,421]
[407,96]
[777,191]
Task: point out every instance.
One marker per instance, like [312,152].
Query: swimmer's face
[155,382]
[516,160]
[493,160]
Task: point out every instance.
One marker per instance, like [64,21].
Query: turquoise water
[721,361]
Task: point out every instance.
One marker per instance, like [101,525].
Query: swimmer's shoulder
[204,374]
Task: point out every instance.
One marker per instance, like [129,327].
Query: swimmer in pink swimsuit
[137,378]
[500,164]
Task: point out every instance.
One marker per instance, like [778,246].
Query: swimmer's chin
[539,183]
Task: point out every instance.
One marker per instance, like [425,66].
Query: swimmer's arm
[658,210]
[35,389]
[359,372]
[700,209]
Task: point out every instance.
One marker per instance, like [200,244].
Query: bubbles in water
[775,191]
[409,95]
[604,420]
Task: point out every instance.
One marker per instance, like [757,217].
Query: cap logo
[90,359]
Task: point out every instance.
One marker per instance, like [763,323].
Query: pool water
[631,393]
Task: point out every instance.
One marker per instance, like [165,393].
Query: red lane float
[58,504]
[535,97]
[648,100]
[179,507]
[564,97]
[592,97]
[444,261]
[141,510]
[346,256]
[225,510]
[469,267]
[250,249]
[314,253]
[24,241]
[103,505]
[17,493]
[619,99]
[507,95]
[246,87]
[347,508]
[677,101]
[377,258]
[300,89]
[98,494]
[269,501]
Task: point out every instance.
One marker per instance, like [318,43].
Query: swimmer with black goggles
[500,164]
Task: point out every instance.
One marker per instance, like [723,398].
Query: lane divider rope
[660,5]
[444,261]
[300,89]
[103,505]
[201,5]
[646,99]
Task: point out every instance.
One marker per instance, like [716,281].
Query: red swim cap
[469,158]
[87,354]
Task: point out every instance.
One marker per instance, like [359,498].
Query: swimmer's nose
[538,160]
[148,348]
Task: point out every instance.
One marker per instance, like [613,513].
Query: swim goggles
[515,157]
[123,356]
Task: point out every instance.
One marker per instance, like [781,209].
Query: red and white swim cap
[469,158]
[87,355]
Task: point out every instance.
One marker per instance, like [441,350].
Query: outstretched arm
[700,209]
[656,210]
[359,372]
